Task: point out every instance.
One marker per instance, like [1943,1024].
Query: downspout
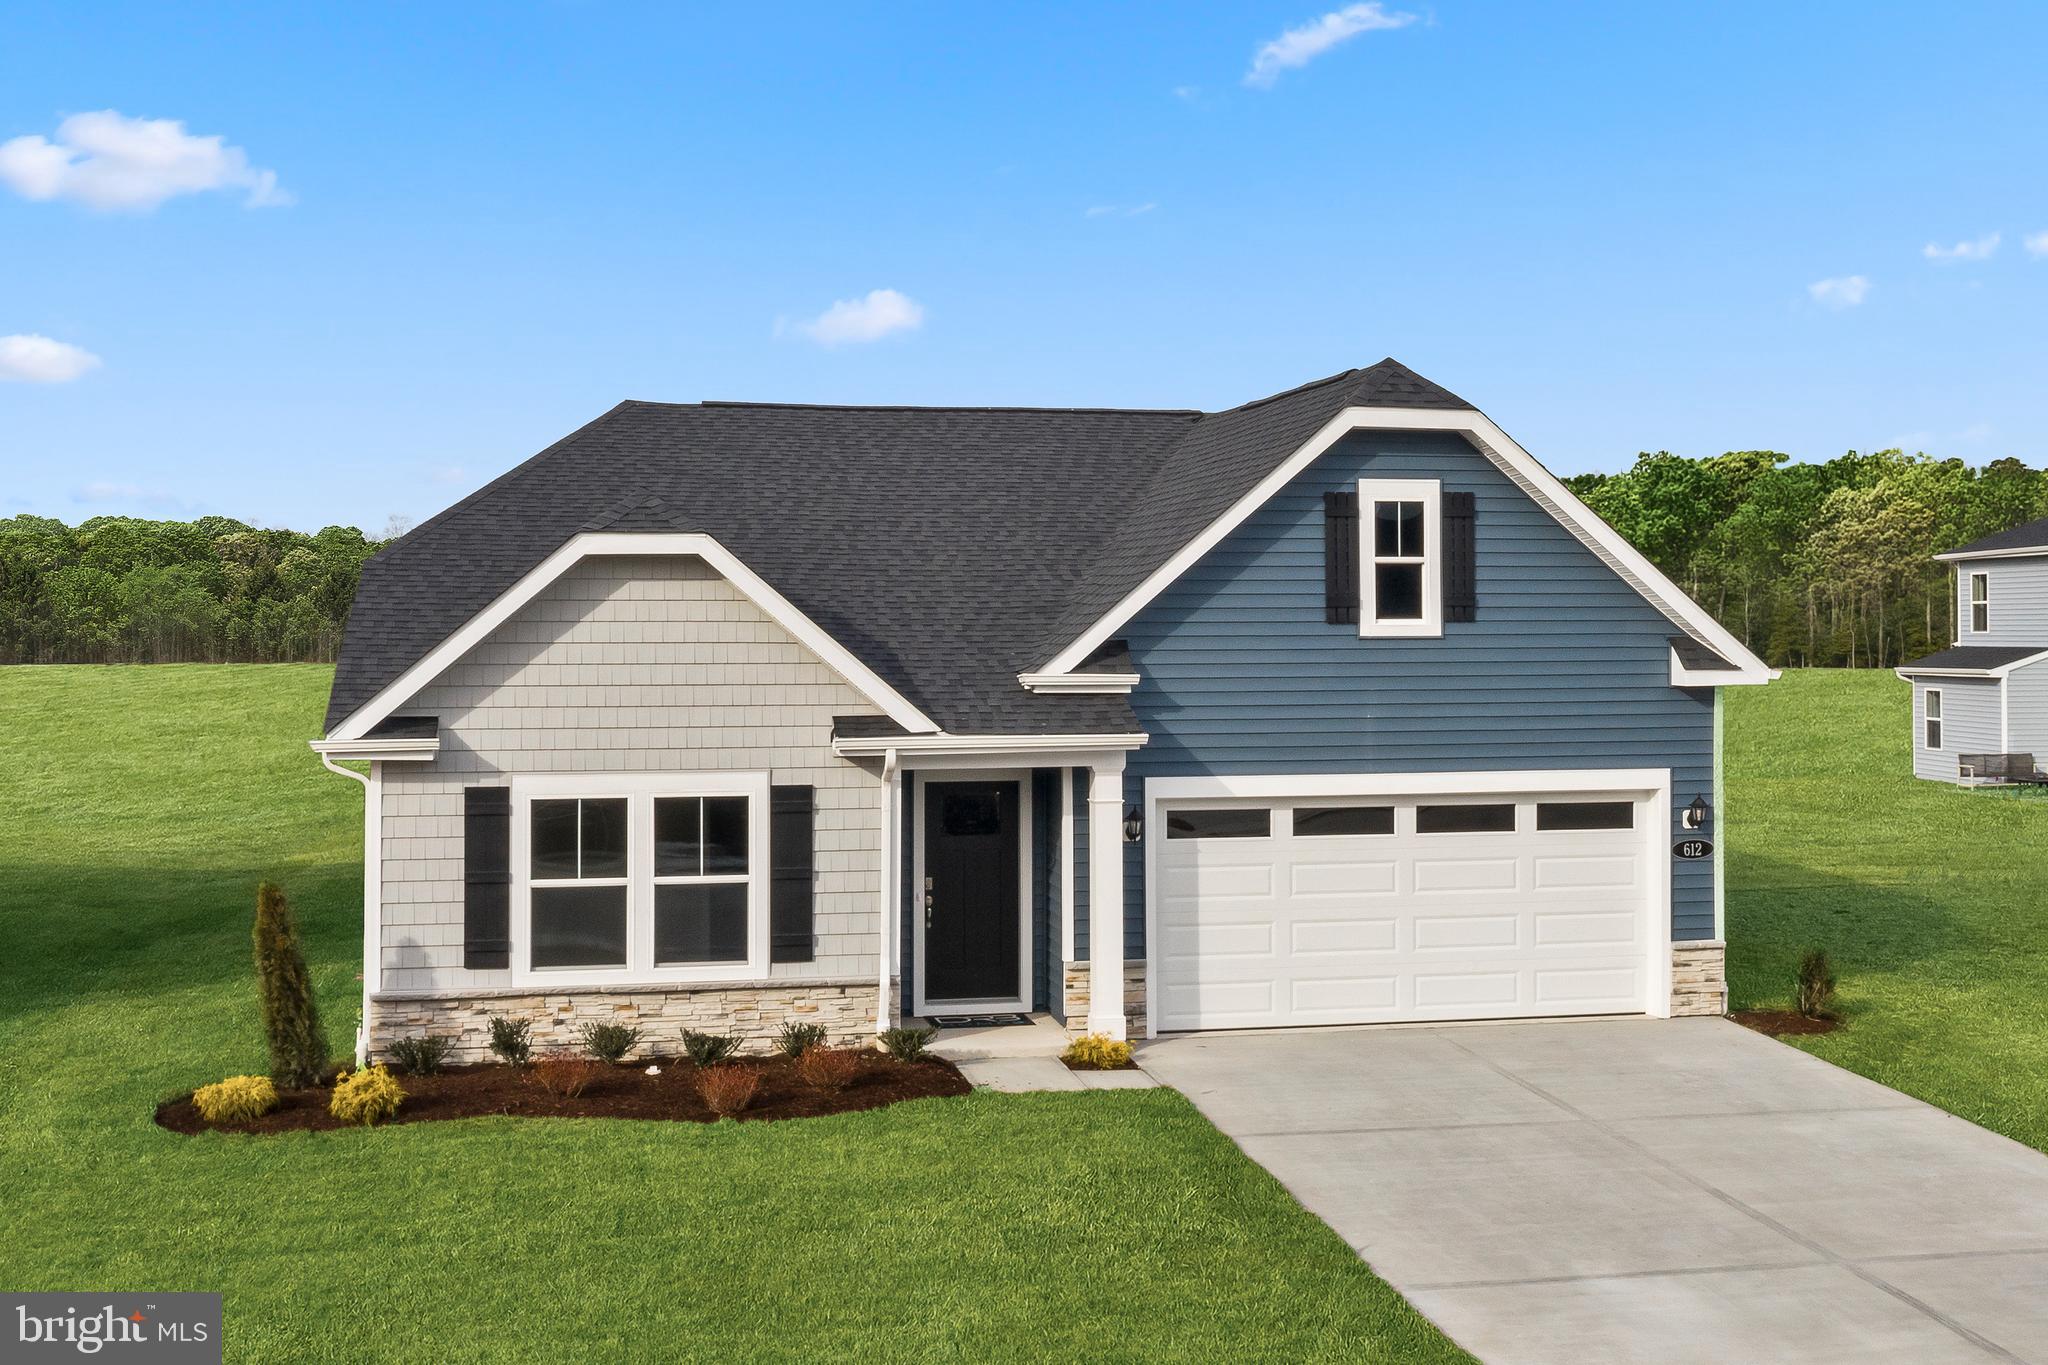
[371,915]
[892,862]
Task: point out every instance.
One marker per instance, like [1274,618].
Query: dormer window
[1980,602]
[1401,534]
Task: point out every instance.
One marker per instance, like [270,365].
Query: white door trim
[923,1004]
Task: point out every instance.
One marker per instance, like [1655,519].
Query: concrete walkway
[1642,1190]
[1018,1058]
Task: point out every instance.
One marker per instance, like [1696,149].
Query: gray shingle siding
[1970,724]
[2019,601]
[1565,667]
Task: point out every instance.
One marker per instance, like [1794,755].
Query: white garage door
[1383,909]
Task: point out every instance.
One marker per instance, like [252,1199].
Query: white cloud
[1843,291]
[1978,250]
[1118,210]
[1304,43]
[871,318]
[2037,244]
[107,160]
[26,358]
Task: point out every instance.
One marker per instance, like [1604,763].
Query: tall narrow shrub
[298,1049]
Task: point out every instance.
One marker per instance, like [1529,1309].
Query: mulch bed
[621,1092]
[1072,1066]
[1778,1023]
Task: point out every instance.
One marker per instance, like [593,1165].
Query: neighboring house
[1988,693]
[1331,708]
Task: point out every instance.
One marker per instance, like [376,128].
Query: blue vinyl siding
[1565,667]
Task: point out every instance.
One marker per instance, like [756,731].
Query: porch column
[1106,896]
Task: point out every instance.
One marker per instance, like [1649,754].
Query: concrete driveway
[1642,1190]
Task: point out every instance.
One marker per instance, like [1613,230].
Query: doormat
[977,1020]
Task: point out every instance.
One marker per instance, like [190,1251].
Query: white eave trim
[413,750]
[2003,670]
[1092,684]
[1538,482]
[1681,676]
[2018,552]
[909,746]
[813,637]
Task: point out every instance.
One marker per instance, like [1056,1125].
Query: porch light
[1695,815]
[1134,825]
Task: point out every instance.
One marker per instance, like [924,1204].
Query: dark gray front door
[970,906]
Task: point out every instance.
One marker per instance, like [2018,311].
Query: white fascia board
[1080,684]
[907,747]
[2021,552]
[808,632]
[384,750]
[1681,676]
[1510,458]
[1314,785]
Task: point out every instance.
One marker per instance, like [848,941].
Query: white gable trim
[1521,467]
[842,661]
[2018,552]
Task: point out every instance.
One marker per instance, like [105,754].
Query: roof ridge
[916,407]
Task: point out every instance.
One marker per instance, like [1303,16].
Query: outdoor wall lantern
[1134,825]
[1695,815]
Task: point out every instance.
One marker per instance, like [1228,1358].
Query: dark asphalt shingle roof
[1697,656]
[1974,656]
[948,548]
[2026,536]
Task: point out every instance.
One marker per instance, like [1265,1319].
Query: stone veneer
[756,1010]
[1074,994]
[1699,977]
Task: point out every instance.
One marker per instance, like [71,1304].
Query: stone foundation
[1699,977]
[753,1009]
[1074,995]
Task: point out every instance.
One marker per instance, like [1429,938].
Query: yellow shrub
[1097,1052]
[365,1097]
[235,1099]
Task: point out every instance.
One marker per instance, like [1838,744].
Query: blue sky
[1604,224]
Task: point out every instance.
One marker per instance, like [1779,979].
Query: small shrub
[830,1069]
[709,1049]
[235,1099]
[564,1077]
[421,1056]
[609,1042]
[512,1039]
[291,1023]
[726,1090]
[1815,989]
[367,1096]
[908,1044]
[797,1039]
[1097,1052]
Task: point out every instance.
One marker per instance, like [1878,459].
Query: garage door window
[1219,824]
[1465,819]
[1315,822]
[1585,815]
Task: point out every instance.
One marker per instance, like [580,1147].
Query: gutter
[373,786]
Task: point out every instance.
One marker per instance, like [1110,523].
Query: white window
[1980,602]
[1400,528]
[1933,717]
[639,877]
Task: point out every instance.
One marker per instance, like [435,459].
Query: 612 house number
[1692,848]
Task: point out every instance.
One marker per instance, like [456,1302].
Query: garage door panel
[1192,942]
[1581,871]
[1342,995]
[1613,988]
[1444,873]
[1612,928]
[1210,879]
[1468,989]
[1331,877]
[1457,932]
[1314,937]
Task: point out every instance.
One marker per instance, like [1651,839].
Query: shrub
[564,1077]
[1097,1052]
[235,1099]
[370,1094]
[1815,989]
[298,1049]
[609,1042]
[421,1056]
[709,1049]
[797,1039]
[908,1044]
[726,1090]
[830,1069]
[512,1039]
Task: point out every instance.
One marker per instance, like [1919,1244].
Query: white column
[892,901]
[1106,896]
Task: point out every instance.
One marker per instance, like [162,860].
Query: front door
[970,891]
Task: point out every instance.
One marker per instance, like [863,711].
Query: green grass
[143,804]
[1931,900]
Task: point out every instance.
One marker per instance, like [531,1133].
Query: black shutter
[1340,558]
[486,878]
[1461,558]
[792,826]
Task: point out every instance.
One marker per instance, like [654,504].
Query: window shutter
[792,827]
[1461,557]
[486,878]
[1340,558]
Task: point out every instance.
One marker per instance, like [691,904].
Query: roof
[2031,535]
[1972,658]
[949,549]
[1698,657]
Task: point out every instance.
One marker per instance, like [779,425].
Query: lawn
[143,804]
[1930,899]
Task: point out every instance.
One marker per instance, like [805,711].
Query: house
[1332,708]
[1987,695]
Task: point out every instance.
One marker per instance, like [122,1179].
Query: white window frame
[1976,602]
[1428,492]
[1930,720]
[641,791]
